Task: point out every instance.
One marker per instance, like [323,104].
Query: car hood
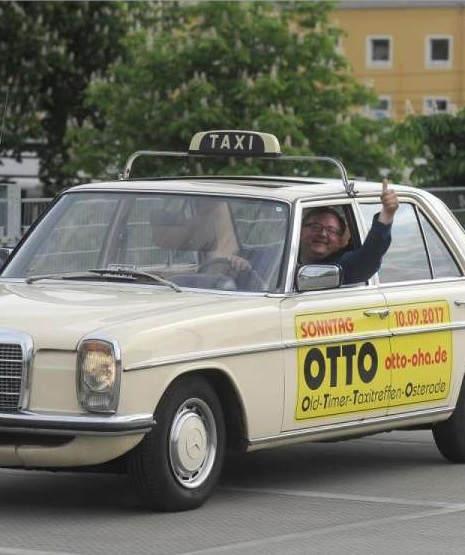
[58,316]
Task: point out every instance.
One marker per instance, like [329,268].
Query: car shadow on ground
[317,463]
[313,464]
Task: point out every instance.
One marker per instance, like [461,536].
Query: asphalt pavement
[384,494]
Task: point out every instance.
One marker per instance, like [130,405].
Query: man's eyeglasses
[318,228]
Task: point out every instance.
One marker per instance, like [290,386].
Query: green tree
[439,141]
[239,65]
[49,53]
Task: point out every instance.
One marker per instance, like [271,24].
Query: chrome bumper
[72,424]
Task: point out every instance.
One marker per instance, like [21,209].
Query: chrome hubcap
[192,443]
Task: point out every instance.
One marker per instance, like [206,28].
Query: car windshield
[204,242]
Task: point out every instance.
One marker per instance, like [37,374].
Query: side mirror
[314,277]
[4,255]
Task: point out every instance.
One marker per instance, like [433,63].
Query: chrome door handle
[459,303]
[381,312]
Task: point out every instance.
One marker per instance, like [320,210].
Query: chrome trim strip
[295,344]
[205,355]
[75,424]
[450,326]
[382,422]
[267,347]
[337,339]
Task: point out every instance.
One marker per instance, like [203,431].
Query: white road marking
[347,497]
[323,531]
[432,509]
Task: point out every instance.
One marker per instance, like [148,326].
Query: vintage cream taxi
[127,333]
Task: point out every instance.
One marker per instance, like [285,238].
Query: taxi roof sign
[234,143]
[243,144]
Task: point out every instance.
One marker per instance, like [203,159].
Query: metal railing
[31,209]
[17,214]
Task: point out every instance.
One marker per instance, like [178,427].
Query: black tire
[177,465]
[449,435]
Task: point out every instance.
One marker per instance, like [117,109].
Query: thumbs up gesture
[389,202]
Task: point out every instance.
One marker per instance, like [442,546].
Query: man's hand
[239,264]
[389,202]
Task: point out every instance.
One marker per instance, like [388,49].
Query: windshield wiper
[65,275]
[135,275]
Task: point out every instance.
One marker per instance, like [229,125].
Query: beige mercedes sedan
[158,322]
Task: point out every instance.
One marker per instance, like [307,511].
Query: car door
[337,342]
[423,286]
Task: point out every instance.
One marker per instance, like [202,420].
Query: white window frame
[340,46]
[428,110]
[379,113]
[429,62]
[379,64]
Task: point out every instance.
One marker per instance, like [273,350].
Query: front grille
[11,376]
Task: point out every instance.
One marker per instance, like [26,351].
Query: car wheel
[177,464]
[449,435]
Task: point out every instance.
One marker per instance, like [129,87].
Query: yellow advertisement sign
[420,363]
[345,376]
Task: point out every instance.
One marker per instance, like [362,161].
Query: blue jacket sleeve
[360,264]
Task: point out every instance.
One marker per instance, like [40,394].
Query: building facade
[412,52]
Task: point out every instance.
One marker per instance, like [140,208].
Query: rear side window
[442,261]
[417,251]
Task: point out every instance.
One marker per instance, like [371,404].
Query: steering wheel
[250,278]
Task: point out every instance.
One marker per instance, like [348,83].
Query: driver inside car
[323,240]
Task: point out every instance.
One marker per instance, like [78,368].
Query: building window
[383,108]
[438,51]
[435,105]
[379,52]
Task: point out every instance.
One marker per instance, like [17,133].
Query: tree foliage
[49,53]
[86,83]
[438,140]
[232,65]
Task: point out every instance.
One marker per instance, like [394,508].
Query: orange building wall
[409,80]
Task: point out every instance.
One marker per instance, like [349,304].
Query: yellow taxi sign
[234,143]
